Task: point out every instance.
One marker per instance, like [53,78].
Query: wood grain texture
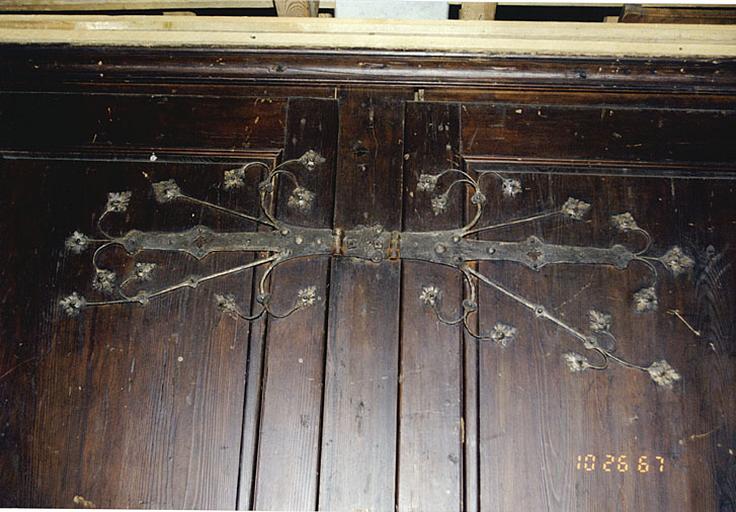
[370,152]
[710,429]
[110,121]
[470,428]
[92,5]
[127,401]
[176,406]
[291,409]
[297,8]
[478,11]
[471,423]
[515,38]
[430,458]
[599,134]
[688,15]
[536,417]
[361,376]
[252,408]
[49,67]
[23,336]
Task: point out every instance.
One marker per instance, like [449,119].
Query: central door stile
[358,460]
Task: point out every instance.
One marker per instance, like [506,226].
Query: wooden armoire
[366,399]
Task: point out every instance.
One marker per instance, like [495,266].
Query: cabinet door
[660,183]
[582,440]
[132,405]
[124,403]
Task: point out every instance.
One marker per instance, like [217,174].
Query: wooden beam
[124,5]
[483,37]
[478,11]
[164,5]
[297,8]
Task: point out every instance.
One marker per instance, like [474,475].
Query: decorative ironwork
[458,248]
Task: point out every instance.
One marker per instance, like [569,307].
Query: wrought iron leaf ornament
[457,248]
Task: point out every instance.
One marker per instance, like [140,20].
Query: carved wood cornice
[52,64]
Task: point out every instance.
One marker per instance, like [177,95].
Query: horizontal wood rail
[484,37]
[97,5]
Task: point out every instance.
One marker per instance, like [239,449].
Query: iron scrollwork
[278,242]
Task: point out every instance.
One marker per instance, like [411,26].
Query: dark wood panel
[371,154]
[537,417]
[552,132]
[530,98]
[219,89]
[126,399]
[291,409]
[148,122]
[358,467]
[430,458]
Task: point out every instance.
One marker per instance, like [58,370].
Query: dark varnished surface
[366,67]
[291,400]
[363,401]
[361,371]
[599,133]
[130,392]
[81,122]
[430,411]
[615,411]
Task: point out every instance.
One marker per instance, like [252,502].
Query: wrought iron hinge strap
[454,248]
[375,244]
[289,241]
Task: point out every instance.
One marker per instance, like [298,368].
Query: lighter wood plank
[92,5]
[297,8]
[478,11]
[98,5]
[599,39]
[521,30]
[123,5]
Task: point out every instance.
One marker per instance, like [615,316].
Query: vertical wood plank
[430,445]
[709,303]
[291,411]
[359,433]
[471,424]
[252,407]
[471,394]
[254,379]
